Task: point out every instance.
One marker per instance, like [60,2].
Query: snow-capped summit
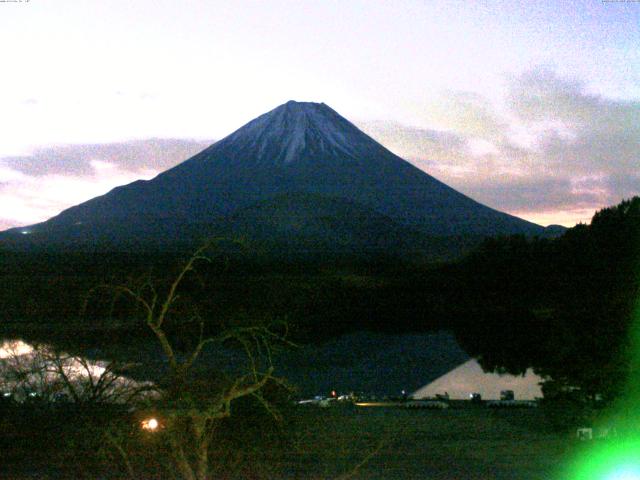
[291,132]
[300,170]
[284,134]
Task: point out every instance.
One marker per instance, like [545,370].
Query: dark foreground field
[332,443]
[428,444]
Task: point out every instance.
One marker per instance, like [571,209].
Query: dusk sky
[531,107]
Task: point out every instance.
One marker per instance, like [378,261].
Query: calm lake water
[30,371]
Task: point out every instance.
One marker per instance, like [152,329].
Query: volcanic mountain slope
[300,161]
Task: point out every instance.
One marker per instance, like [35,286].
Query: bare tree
[42,372]
[189,414]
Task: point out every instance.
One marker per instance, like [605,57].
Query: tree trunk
[181,460]
[202,437]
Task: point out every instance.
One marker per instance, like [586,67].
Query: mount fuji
[300,178]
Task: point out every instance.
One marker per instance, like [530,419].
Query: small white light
[150,424]
[25,232]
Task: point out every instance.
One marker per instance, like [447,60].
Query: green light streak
[608,460]
[618,457]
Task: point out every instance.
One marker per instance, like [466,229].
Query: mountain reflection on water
[38,372]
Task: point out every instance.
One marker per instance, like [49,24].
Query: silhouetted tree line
[563,306]
[43,293]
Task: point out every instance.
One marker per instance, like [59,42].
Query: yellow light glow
[150,424]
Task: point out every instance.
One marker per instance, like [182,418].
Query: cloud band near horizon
[550,152]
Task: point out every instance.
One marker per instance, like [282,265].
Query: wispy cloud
[550,150]
[36,187]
